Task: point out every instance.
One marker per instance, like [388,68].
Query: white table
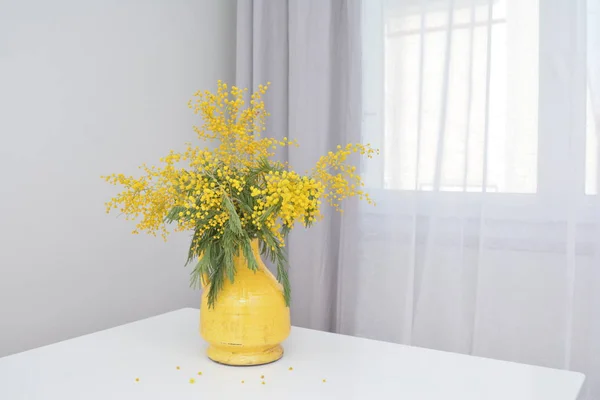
[105,365]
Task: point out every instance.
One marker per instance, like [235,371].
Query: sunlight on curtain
[437,69]
[506,94]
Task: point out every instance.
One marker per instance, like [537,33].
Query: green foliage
[214,252]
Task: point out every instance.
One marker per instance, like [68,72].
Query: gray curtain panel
[310,51]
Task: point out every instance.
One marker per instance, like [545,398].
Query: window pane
[435,120]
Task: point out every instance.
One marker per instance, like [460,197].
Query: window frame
[561,107]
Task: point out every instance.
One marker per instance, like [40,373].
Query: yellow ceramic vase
[249,319]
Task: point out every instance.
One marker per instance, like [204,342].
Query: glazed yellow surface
[249,319]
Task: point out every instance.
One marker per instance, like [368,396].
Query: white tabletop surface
[105,365]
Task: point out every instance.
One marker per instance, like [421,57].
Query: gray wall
[89,88]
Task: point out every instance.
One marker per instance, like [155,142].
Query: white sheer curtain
[486,237]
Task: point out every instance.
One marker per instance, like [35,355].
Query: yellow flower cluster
[238,130]
[297,196]
[341,179]
[197,191]
[234,191]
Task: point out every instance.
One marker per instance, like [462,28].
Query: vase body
[249,319]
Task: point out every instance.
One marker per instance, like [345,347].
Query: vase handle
[204,281]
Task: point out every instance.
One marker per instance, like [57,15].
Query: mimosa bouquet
[235,191]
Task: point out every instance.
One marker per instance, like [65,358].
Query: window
[461,101]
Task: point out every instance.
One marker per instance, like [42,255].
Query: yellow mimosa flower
[234,191]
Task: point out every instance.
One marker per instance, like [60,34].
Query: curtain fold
[310,51]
